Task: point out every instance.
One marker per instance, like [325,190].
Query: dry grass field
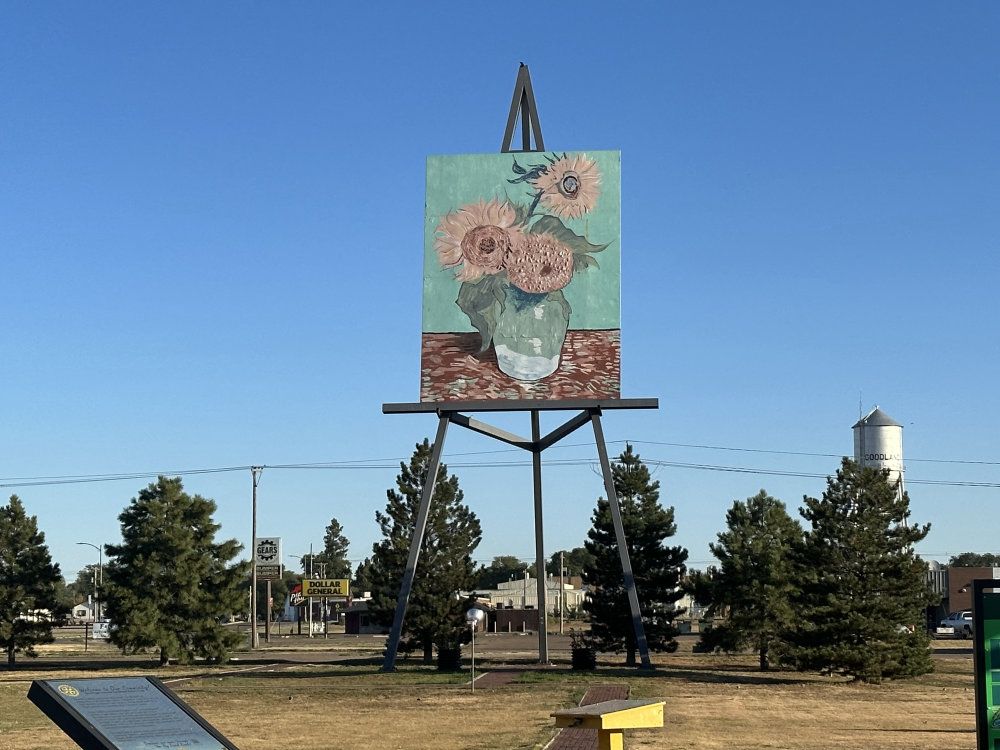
[711,702]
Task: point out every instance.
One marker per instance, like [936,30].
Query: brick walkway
[498,677]
[574,738]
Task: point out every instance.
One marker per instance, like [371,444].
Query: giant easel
[453,412]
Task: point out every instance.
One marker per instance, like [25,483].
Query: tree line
[846,594]
[840,594]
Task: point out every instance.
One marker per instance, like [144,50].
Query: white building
[522,593]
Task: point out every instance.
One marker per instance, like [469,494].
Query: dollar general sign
[331,587]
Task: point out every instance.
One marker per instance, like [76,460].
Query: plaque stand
[124,713]
[451,412]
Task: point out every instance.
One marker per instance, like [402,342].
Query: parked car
[960,621]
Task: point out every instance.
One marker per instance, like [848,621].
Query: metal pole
[536,468]
[562,592]
[309,599]
[98,579]
[254,635]
[99,604]
[616,518]
[267,612]
[324,604]
[473,628]
[419,527]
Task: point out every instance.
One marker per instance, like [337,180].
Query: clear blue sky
[211,230]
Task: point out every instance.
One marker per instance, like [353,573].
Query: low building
[82,612]
[522,594]
[358,621]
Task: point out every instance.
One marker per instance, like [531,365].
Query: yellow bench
[611,719]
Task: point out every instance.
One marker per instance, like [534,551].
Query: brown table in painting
[451,369]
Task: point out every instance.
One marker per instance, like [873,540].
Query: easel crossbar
[569,404]
[534,446]
[450,413]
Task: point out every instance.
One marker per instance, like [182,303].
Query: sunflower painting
[522,280]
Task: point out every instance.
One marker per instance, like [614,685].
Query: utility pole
[562,592]
[255,472]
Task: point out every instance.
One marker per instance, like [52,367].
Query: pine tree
[503,569]
[331,561]
[754,580]
[657,568]
[169,583]
[30,583]
[334,554]
[974,560]
[863,590]
[573,561]
[364,577]
[434,616]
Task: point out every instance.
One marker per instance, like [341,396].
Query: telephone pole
[255,472]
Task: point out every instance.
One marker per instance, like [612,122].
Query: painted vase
[530,332]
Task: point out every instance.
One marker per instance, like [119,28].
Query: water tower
[878,442]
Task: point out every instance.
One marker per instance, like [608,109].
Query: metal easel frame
[452,413]
[523,104]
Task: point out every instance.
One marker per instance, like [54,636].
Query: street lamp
[100,580]
[474,616]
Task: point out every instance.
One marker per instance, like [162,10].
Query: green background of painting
[457,180]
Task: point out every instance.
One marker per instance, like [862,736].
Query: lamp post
[100,580]
[474,616]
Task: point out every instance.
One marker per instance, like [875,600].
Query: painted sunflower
[540,264]
[479,237]
[570,186]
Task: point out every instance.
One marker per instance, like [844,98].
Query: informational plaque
[124,713]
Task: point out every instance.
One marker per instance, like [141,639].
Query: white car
[960,621]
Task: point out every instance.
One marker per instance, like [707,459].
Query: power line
[388,463]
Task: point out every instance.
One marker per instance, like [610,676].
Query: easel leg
[536,466]
[616,517]
[418,539]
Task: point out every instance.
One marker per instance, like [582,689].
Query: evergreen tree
[30,584]
[169,583]
[334,554]
[85,584]
[573,561]
[862,587]
[503,568]
[754,580]
[65,596]
[657,568]
[434,617]
[974,560]
[331,561]
[364,578]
